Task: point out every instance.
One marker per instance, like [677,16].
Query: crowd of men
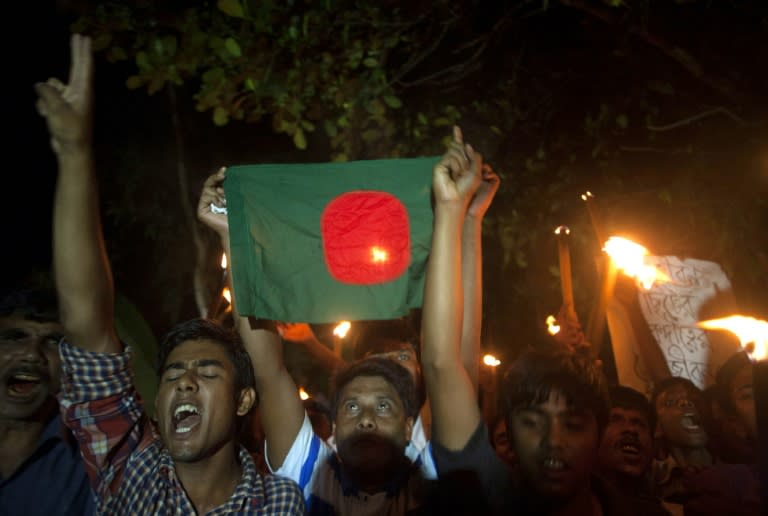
[403,432]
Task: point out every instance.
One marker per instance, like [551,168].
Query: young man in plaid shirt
[191,463]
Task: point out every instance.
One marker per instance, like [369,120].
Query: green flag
[330,241]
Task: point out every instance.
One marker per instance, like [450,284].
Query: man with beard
[37,453]
[191,463]
[626,448]
[373,410]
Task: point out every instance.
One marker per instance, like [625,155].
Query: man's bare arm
[81,268]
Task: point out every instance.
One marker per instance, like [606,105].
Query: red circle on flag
[366,237]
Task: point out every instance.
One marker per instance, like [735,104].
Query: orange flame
[586,195]
[552,326]
[342,328]
[223,260]
[491,361]
[751,332]
[629,258]
[379,255]
[227,294]
[303,394]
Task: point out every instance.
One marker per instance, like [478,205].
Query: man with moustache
[191,463]
[37,453]
[626,447]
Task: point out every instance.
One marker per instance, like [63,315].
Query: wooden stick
[597,322]
[566,277]
[594,217]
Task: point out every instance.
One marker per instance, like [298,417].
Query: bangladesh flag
[325,242]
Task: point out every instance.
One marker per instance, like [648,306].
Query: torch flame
[227,294]
[751,332]
[586,195]
[562,229]
[379,255]
[629,257]
[303,394]
[342,328]
[491,361]
[552,326]
[224,260]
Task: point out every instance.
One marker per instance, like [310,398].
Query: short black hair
[535,374]
[394,374]
[38,304]
[673,381]
[725,375]
[630,399]
[229,340]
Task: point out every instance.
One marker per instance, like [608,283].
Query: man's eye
[404,357]
[350,406]
[384,405]
[13,335]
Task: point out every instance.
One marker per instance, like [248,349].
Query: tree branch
[699,116]
[683,58]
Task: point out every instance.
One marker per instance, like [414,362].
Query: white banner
[697,290]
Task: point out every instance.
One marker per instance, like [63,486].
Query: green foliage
[299,64]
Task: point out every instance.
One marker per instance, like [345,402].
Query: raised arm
[455,413]
[81,268]
[282,412]
[472,272]
[302,334]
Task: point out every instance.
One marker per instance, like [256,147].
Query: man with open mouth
[37,453]
[626,448]
[191,461]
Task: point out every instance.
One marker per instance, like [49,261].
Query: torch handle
[566,278]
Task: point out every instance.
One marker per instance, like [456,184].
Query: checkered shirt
[130,470]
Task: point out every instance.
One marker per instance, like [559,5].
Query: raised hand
[67,108]
[489,185]
[213,193]
[457,176]
[295,332]
[570,336]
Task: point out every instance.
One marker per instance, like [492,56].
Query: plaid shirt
[130,470]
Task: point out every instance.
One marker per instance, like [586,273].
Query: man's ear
[247,399]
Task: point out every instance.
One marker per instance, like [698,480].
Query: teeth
[690,422]
[26,377]
[183,429]
[186,407]
[553,464]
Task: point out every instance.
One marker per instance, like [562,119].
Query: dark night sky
[36,47]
